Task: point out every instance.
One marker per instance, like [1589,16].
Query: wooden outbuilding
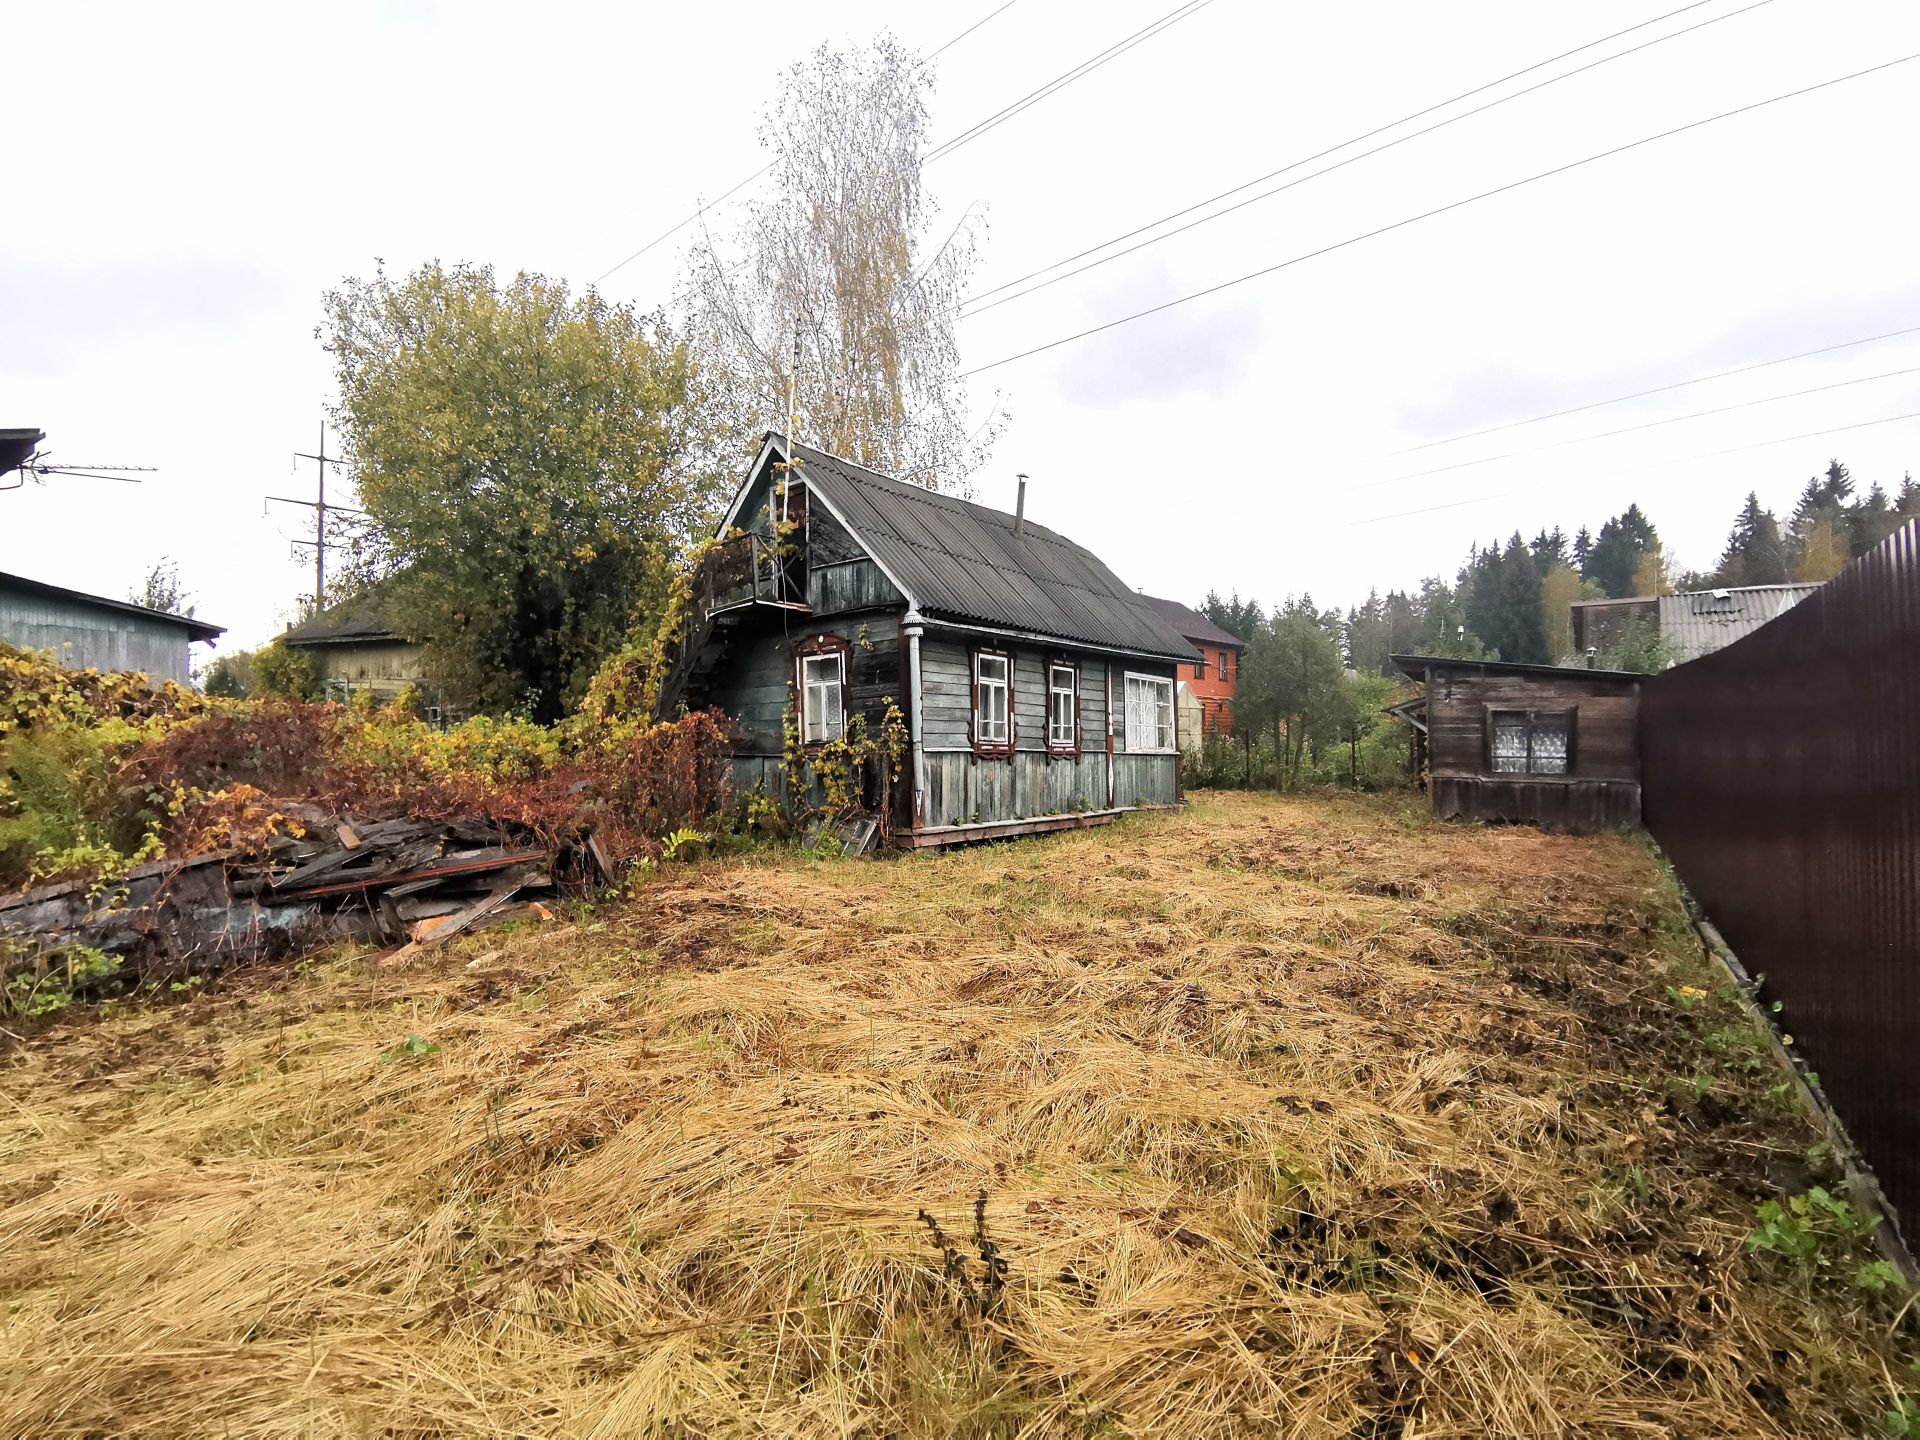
[93,632]
[1548,745]
[1034,689]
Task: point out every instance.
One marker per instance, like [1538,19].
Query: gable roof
[195,629]
[966,563]
[1191,624]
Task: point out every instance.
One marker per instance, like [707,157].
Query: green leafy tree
[1290,680]
[1560,587]
[162,589]
[287,673]
[529,461]
[1638,646]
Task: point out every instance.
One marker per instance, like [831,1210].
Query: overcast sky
[186,180]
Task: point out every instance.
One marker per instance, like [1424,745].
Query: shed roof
[1414,666]
[16,445]
[195,629]
[1701,621]
[1191,624]
[966,563]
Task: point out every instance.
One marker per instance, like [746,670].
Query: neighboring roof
[1191,624]
[1701,621]
[963,562]
[355,620]
[16,445]
[1411,666]
[196,629]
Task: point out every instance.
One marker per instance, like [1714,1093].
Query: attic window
[1530,742]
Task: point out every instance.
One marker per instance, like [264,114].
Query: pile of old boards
[409,883]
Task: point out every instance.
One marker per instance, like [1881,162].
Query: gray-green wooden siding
[84,637]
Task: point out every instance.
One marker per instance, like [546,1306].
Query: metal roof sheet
[966,563]
[1699,622]
[1192,624]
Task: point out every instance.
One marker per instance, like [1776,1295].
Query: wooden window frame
[1534,714]
[1060,662]
[1173,708]
[1220,666]
[990,749]
[815,647]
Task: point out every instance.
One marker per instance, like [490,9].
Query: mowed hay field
[1273,1116]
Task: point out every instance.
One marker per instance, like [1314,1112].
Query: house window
[1221,662]
[1531,742]
[992,676]
[822,710]
[1149,714]
[1200,669]
[1063,708]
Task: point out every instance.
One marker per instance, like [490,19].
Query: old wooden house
[1034,691]
[1549,745]
[355,648]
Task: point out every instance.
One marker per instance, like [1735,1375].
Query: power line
[1437,210]
[1644,425]
[1659,389]
[680,225]
[1683,460]
[1060,82]
[973,306]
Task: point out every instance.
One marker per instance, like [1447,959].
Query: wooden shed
[1548,745]
[1037,691]
[354,648]
[93,632]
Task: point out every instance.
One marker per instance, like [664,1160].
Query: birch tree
[843,262]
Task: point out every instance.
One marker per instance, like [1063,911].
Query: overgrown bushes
[100,772]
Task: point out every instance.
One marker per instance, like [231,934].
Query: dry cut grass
[1296,1117]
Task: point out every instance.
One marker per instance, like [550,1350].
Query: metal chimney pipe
[1593,658]
[1020,508]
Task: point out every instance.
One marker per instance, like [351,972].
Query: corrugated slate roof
[963,562]
[1192,624]
[1701,621]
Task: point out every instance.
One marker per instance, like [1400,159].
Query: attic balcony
[748,571]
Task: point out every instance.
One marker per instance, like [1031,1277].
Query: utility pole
[319,507]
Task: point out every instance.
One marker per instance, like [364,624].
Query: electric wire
[680,225]
[1437,210]
[973,306]
[1060,82]
[1659,389]
[1682,460]
[1644,425]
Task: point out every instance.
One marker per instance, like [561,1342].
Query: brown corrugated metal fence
[1782,774]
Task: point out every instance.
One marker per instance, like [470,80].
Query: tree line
[1312,682]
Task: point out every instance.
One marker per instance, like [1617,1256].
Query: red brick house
[1215,678]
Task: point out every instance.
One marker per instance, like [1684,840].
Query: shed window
[822,712]
[1149,714]
[990,683]
[1531,742]
[1063,707]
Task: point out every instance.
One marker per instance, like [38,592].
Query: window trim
[1173,713]
[1533,714]
[818,647]
[1054,746]
[991,749]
